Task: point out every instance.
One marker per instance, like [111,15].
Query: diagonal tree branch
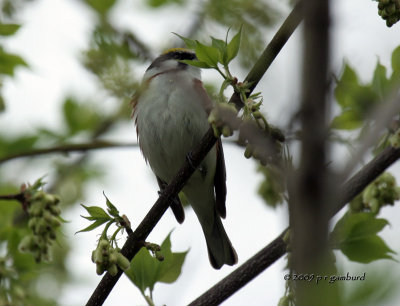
[132,245]
[277,248]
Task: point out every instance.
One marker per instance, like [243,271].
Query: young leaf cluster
[356,100]
[107,255]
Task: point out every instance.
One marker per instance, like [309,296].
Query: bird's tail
[220,249]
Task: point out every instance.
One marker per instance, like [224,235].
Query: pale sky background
[53,36]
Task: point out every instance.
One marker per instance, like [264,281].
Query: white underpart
[171,119]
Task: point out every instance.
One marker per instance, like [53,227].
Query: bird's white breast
[171,121]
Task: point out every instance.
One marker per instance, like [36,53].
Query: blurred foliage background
[112,55]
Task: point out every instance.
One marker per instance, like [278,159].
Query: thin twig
[12,197]
[132,245]
[67,148]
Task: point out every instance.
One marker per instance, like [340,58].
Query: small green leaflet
[7,29]
[220,52]
[96,214]
[233,46]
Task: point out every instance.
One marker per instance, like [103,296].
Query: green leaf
[8,29]
[357,225]
[207,54]
[2,104]
[234,45]
[146,271]
[80,116]
[380,83]
[356,100]
[101,6]
[196,63]
[222,48]
[8,62]
[191,44]
[92,226]
[396,63]
[367,249]
[142,271]
[171,268]
[16,145]
[355,234]
[347,120]
[96,212]
[112,210]
[159,3]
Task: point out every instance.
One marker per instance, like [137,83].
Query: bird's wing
[220,171]
[175,204]
[220,181]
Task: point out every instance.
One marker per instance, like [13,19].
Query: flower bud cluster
[389,10]
[108,258]
[224,120]
[259,143]
[44,220]
[383,191]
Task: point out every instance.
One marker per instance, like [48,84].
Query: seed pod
[123,262]
[25,244]
[38,195]
[103,244]
[99,269]
[257,115]
[374,205]
[248,152]
[390,9]
[55,210]
[112,269]
[55,222]
[226,131]
[113,258]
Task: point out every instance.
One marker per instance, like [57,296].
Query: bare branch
[13,197]
[66,148]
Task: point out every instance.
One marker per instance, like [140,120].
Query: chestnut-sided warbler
[171,114]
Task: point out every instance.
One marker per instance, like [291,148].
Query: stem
[66,148]
[149,300]
[13,197]
[221,73]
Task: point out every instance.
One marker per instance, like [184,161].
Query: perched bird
[171,114]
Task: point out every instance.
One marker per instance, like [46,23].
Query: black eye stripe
[176,55]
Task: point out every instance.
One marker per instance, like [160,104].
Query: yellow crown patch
[177,50]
